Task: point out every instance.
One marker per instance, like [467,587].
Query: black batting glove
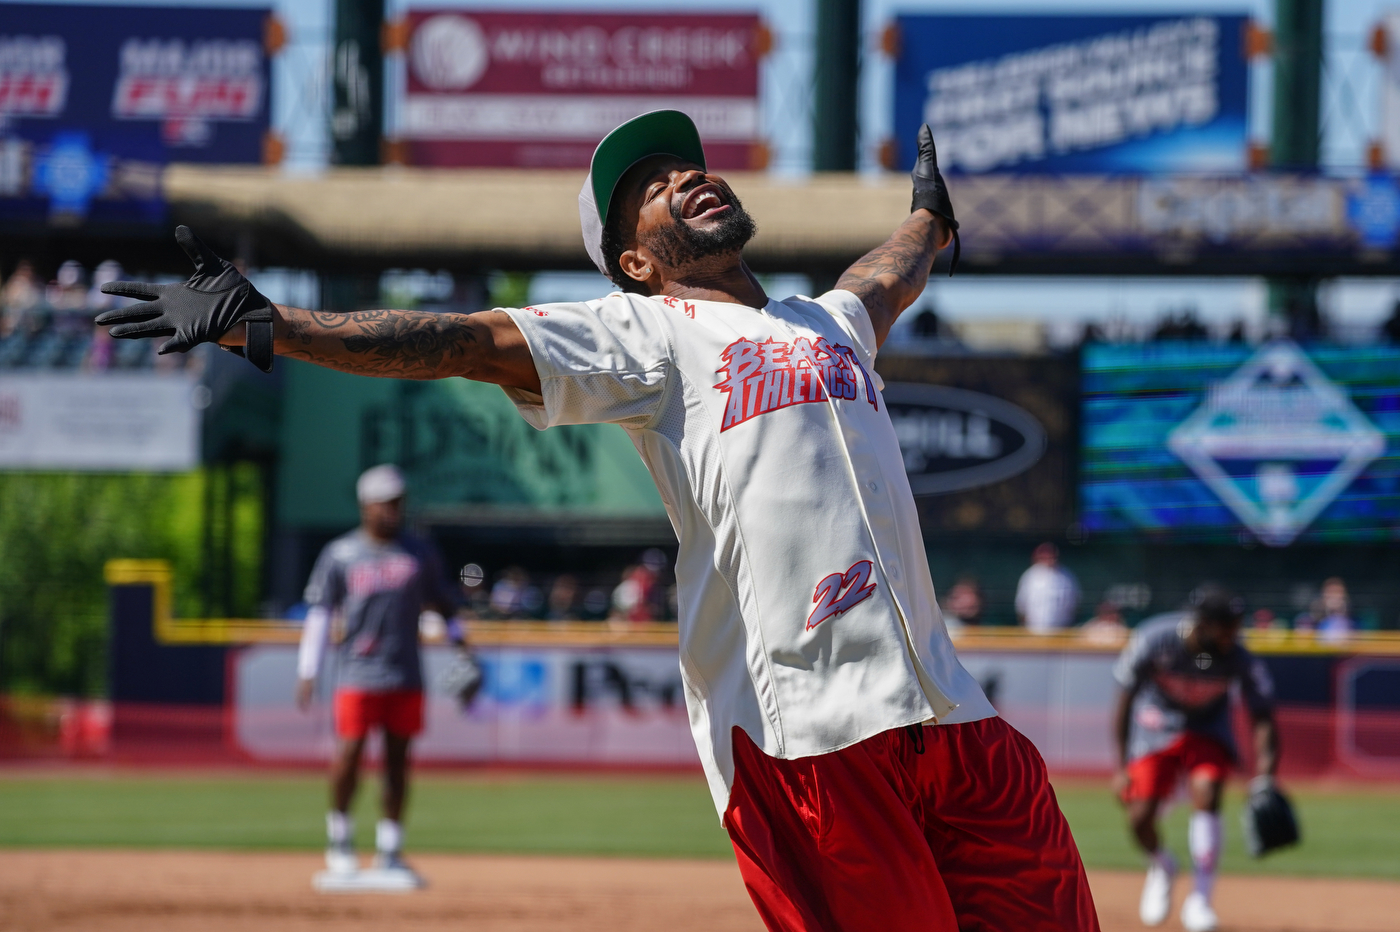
[930,191]
[214,300]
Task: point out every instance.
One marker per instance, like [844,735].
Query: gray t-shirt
[381,590]
[1179,691]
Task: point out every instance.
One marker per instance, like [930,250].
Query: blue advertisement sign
[95,99]
[1277,443]
[1074,94]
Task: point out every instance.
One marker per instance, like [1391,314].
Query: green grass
[643,816]
[1347,831]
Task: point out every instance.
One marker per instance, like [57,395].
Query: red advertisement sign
[540,90]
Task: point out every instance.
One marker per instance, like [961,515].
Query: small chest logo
[1191,692]
[763,377]
[685,307]
[373,576]
[841,592]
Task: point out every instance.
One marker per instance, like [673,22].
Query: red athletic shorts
[398,711]
[949,828]
[1155,776]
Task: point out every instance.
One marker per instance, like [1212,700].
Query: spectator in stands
[69,290]
[1336,622]
[963,606]
[19,299]
[594,606]
[1183,327]
[630,600]
[1107,626]
[655,561]
[563,598]
[508,594]
[1307,620]
[1047,594]
[109,270]
[1391,328]
[1264,619]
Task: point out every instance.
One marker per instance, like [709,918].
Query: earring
[646,271]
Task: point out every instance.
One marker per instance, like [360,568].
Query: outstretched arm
[217,298]
[486,346]
[890,277]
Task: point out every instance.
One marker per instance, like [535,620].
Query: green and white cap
[660,132]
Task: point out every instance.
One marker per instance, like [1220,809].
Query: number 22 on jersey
[841,592]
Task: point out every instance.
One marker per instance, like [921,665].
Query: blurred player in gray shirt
[378,580]
[1173,722]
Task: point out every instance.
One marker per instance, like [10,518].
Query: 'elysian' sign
[953,439]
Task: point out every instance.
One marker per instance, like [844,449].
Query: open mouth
[703,202]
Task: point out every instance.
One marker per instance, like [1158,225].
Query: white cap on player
[379,484]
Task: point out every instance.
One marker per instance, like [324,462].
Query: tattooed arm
[487,346]
[890,277]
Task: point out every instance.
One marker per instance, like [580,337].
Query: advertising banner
[1272,223]
[625,706]
[1275,443]
[988,443]
[540,90]
[461,445]
[616,706]
[94,99]
[114,421]
[1092,94]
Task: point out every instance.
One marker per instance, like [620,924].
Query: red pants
[950,828]
[1155,776]
[399,712]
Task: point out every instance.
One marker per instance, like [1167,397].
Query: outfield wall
[588,694]
[623,706]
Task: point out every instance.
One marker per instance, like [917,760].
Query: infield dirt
[127,891]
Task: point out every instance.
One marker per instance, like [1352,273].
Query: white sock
[1203,836]
[340,828]
[388,836]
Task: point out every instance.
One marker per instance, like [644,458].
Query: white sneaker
[394,871]
[1197,914]
[1156,902]
[341,859]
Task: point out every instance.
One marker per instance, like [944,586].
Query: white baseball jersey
[807,613]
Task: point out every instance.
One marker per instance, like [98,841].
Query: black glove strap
[257,337]
[259,344]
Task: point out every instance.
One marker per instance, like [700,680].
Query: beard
[679,244]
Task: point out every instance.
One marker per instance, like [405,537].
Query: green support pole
[837,71]
[357,77]
[1296,137]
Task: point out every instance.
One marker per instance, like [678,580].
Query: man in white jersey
[864,779]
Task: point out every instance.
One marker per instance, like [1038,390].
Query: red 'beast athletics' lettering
[829,598]
[763,377]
